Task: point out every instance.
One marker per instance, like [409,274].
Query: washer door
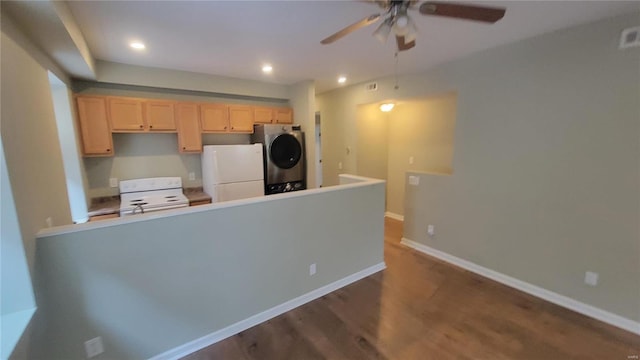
[285,151]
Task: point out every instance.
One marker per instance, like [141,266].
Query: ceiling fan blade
[402,46]
[349,29]
[462,11]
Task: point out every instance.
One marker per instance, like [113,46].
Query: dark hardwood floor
[422,308]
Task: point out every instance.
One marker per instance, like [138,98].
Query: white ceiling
[234,38]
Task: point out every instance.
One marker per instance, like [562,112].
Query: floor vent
[630,37]
[371,87]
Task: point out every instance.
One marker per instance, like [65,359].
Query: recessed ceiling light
[267,69]
[342,79]
[137,45]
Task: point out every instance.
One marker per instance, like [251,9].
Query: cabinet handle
[150,126]
[232,128]
[141,126]
[108,150]
[184,148]
[225,128]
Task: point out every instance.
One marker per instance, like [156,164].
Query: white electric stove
[141,196]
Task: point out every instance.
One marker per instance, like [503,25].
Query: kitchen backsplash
[149,155]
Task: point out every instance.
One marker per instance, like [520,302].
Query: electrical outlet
[591,278]
[192,176]
[414,180]
[94,347]
[431,230]
[49,221]
[113,182]
[312,269]
[340,165]
[410,160]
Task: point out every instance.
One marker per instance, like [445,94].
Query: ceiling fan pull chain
[395,71]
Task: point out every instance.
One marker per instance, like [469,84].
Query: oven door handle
[135,208]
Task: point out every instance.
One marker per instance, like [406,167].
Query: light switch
[410,160]
[192,176]
[414,180]
[113,182]
[340,166]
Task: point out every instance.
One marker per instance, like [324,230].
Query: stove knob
[288,187]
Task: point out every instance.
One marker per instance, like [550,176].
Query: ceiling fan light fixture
[383,31]
[386,107]
[402,24]
[412,32]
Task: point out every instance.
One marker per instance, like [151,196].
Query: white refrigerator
[231,172]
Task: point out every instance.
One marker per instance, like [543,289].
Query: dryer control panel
[284,187]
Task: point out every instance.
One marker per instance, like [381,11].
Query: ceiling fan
[396,18]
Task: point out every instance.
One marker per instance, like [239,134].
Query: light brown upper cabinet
[94,126]
[214,117]
[189,136]
[272,115]
[125,114]
[263,115]
[160,115]
[241,118]
[283,115]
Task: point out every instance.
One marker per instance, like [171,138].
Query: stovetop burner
[151,194]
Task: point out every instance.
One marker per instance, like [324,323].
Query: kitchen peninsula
[182,279]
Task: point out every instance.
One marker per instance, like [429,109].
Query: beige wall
[30,140]
[117,73]
[339,131]
[419,128]
[372,142]
[546,181]
[302,98]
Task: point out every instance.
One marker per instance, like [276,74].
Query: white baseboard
[394,216]
[564,301]
[214,337]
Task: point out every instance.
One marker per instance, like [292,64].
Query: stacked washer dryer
[284,157]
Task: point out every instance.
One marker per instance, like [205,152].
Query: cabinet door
[283,115]
[241,118]
[189,136]
[262,115]
[125,114]
[96,135]
[214,117]
[160,115]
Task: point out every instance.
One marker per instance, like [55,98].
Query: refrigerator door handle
[216,176]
